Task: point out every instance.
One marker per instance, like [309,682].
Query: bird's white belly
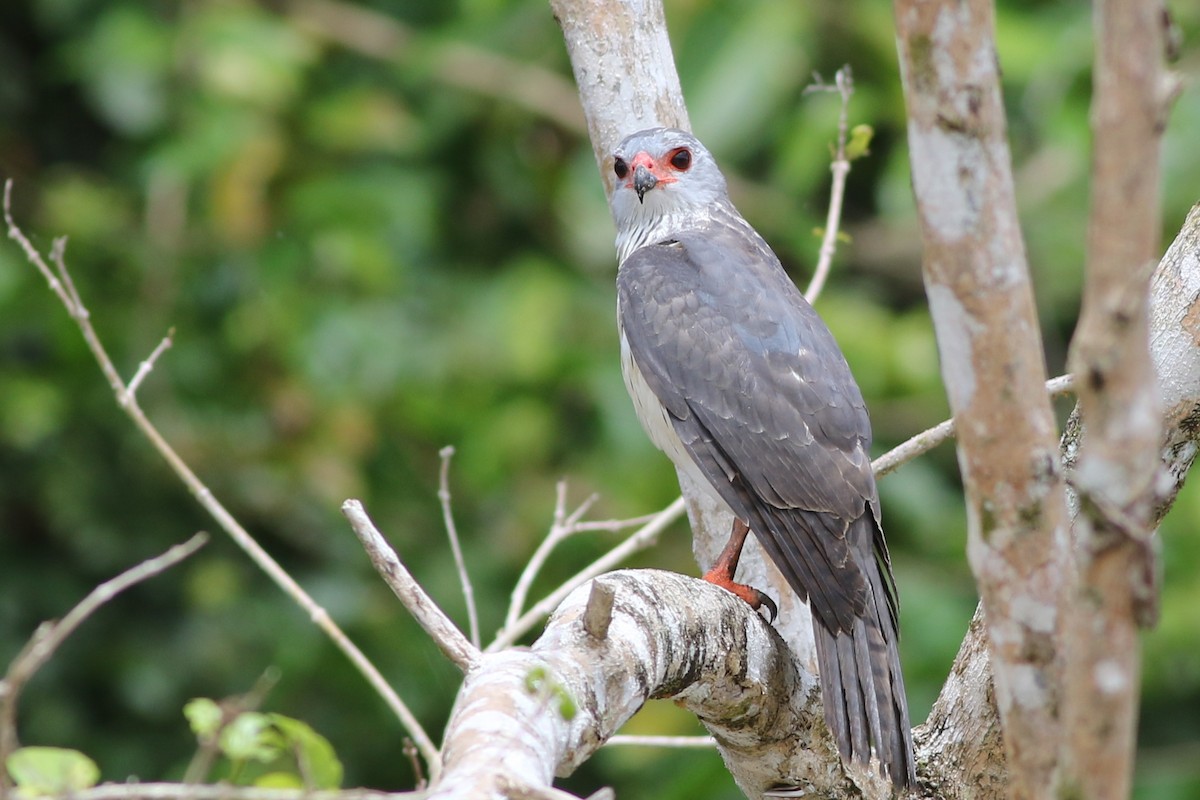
[657,423]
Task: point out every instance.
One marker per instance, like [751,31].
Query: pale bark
[959,743]
[1117,462]
[524,716]
[989,340]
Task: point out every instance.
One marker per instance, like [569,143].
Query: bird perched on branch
[736,378]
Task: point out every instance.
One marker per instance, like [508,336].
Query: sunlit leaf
[204,717]
[51,770]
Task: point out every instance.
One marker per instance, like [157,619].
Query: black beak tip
[643,181]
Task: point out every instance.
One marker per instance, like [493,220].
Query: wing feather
[764,402]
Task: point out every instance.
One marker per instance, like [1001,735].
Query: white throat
[640,224]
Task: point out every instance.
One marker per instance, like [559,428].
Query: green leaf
[534,679]
[860,142]
[566,705]
[249,738]
[51,770]
[204,717]
[315,756]
[279,780]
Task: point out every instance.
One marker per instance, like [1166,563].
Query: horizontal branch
[524,716]
[193,791]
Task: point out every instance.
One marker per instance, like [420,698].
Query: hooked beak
[643,181]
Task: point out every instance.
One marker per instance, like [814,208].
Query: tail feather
[863,687]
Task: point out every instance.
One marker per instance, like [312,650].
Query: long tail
[863,688]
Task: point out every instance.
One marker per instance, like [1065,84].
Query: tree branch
[64,289]
[1114,474]
[840,167]
[445,634]
[460,563]
[960,741]
[50,635]
[988,337]
[525,716]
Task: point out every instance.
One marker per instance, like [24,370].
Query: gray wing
[764,402]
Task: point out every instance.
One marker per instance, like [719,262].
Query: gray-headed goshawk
[736,378]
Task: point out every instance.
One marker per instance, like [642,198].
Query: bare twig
[222,791]
[926,440]
[410,752]
[65,291]
[672,742]
[560,529]
[639,540]
[441,628]
[50,635]
[844,86]
[464,577]
[146,366]
[563,527]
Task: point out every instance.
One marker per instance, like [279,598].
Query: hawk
[738,380]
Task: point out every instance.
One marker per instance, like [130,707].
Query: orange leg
[722,571]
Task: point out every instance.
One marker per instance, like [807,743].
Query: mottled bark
[981,301]
[524,716]
[1113,476]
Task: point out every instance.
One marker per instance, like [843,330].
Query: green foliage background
[371,246]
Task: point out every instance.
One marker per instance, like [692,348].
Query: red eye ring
[681,159]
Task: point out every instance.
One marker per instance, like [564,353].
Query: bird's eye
[681,159]
[620,168]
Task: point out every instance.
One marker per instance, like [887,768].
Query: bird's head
[663,172]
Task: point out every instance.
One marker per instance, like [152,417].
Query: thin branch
[639,540]
[926,440]
[844,86]
[64,290]
[146,366]
[50,635]
[672,742]
[181,791]
[441,628]
[460,563]
[561,528]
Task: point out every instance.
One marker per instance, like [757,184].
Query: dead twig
[64,288]
[50,635]
[445,634]
[926,440]
[460,563]
[638,540]
[844,85]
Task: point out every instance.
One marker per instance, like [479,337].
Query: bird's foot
[726,565]
[720,576]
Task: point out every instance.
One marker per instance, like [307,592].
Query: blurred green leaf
[41,771]
[317,763]
[203,716]
[249,737]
